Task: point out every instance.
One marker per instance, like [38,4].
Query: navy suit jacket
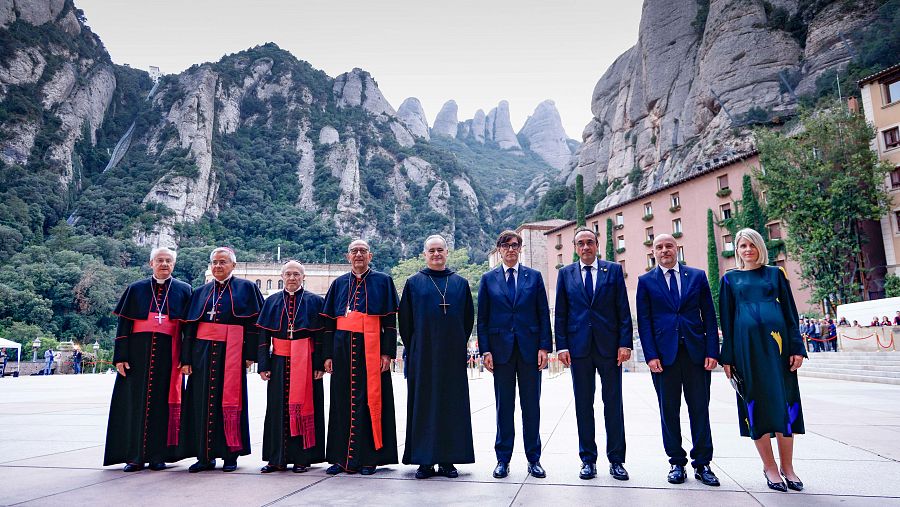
[661,323]
[525,321]
[605,321]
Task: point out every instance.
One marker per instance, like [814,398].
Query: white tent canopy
[9,344]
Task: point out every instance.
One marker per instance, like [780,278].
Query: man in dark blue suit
[594,334]
[514,338]
[680,338]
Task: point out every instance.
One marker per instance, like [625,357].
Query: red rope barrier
[858,339]
[889,345]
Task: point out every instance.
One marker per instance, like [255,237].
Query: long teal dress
[760,333]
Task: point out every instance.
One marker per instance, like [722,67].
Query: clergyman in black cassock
[146,403]
[220,338]
[361,338]
[436,319]
[290,324]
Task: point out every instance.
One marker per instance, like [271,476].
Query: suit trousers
[584,370]
[529,380]
[695,381]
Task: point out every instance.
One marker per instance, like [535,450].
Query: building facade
[267,276]
[534,248]
[679,209]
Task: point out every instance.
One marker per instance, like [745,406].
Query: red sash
[370,327]
[232,402]
[301,411]
[171,328]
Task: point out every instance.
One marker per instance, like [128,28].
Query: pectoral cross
[291,332]
[444,307]
[159,318]
[212,314]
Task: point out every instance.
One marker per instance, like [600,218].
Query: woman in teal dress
[762,348]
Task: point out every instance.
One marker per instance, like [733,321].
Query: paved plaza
[52,431]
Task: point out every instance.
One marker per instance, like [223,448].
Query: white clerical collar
[676,267]
[595,265]
[362,275]
[294,292]
[161,281]
[225,280]
[515,267]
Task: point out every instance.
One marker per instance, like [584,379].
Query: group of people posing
[214,333]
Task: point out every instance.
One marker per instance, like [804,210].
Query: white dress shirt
[667,274]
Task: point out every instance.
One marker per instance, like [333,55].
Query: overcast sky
[476,52]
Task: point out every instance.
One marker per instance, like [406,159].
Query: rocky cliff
[701,74]
[543,134]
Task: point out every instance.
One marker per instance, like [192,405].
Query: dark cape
[203,424]
[139,411]
[350,436]
[279,447]
[439,420]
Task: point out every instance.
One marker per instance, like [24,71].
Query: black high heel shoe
[777,486]
[794,485]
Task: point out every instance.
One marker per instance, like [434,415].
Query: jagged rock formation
[663,106]
[445,123]
[357,88]
[498,128]
[544,134]
[412,115]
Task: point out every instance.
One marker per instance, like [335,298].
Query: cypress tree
[579,201]
[610,251]
[712,260]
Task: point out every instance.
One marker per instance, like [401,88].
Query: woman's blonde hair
[753,237]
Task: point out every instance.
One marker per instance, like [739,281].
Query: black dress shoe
[367,470]
[705,475]
[677,475]
[588,471]
[268,469]
[794,485]
[334,469]
[299,469]
[536,470]
[618,472]
[501,470]
[229,466]
[777,486]
[425,472]
[201,466]
[157,466]
[448,470]
[133,467]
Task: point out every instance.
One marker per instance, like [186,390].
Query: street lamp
[35,346]
[96,348]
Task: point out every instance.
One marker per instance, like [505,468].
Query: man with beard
[361,337]
[295,421]
[436,320]
[145,411]
[220,338]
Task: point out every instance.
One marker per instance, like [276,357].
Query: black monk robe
[220,334]
[294,430]
[360,327]
[435,331]
[146,403]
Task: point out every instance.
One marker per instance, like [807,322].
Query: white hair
[434,237]
[223,249]
[753,237]
[292,261]
[163,249]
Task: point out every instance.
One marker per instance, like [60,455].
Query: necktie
[588,283]
[511,284]
[673,287]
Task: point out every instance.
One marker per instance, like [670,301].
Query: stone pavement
[52,431]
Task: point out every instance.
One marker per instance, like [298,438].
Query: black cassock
[280,313]
[351,441]
[439,421]
[205,421]
[139,413]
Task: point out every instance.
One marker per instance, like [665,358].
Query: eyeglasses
[510,246]
[221,263]
[354,251]
[588,242]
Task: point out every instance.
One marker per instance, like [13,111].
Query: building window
[895,178]
[559,240]
[620,219]
[774,230]
[258,283]
[723,182]
[897,219]
[891,138]
[727,243]
[622,263]
[681,254]
[280,284]
[651,262]
[621,242]
[648,208]
[559,259]
[676,226]
[675,200]
[649,231]
[725,211]
[596,226]
[268,284]
[891,91]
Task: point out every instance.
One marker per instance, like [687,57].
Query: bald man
[679,335]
